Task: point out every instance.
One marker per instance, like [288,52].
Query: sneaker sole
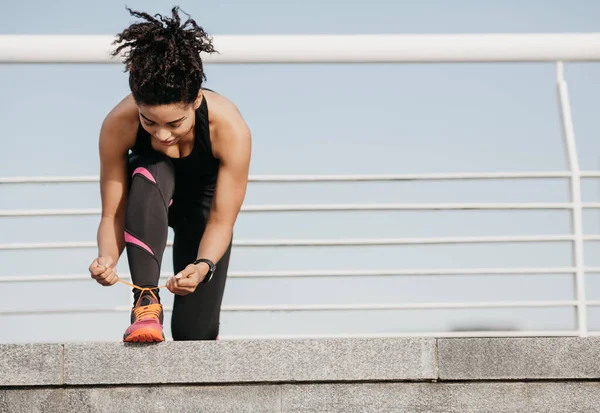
[144,335]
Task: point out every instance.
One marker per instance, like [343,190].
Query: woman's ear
[198,100]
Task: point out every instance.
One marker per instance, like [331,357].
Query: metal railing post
[569,135]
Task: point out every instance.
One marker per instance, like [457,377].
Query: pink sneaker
[146,322]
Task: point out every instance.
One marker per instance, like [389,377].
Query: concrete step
[550,374]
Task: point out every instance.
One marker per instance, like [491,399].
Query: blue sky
[321,119]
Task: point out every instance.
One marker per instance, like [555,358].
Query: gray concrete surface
[313,398]
[519,358]
[293,376]
[255,361]
[180,399]
[250,361]
[30,364]
[443,398]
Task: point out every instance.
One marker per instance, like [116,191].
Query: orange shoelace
[147,311]
[142,293]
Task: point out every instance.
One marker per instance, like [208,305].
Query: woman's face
[168,124]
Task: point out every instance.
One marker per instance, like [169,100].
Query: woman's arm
[112,192]
[116,136]
[232,146]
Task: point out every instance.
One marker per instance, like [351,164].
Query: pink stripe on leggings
[133,240]
[143,171]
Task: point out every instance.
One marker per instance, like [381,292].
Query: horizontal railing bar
[326,207]
[318,307]
[412,177]
[329,178]
[400,306]
[332,178]
[325,48]
[323,207]
[430,334]
[48,179]
[322,242]
[316,273]
[50,212]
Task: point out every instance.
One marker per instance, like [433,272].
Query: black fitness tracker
[211,269]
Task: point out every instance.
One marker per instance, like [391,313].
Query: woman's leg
[152,182]
[196,316]
[146,223]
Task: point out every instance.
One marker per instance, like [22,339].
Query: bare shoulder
[119,127]
[231,132]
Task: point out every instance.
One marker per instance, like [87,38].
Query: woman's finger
[97,270]
[105,282]
[109,275]
[108,272]
[112,278]
[170,285]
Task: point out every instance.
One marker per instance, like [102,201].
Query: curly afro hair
[163,58]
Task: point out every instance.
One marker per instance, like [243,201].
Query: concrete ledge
[30,364]
[442,398]
[312,398]
[250,361]
[192,399]
[300,361]
[519,358]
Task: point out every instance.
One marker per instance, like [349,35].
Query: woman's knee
[155,167]
[150,174]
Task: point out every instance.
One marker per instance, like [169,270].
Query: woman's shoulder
[230,129]
[221,108]
[124,112]
[122,121]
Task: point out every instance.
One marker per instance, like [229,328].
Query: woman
[171,154]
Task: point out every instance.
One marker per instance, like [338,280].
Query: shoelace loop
[149,289]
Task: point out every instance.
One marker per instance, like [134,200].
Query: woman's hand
[186,281]
[104,271]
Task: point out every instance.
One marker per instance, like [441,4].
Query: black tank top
[195,174]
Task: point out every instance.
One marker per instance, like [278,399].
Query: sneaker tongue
[146,301]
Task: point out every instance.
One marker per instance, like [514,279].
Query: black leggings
[149,214]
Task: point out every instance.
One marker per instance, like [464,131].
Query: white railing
[357,49]
[391,48]
[569,135]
